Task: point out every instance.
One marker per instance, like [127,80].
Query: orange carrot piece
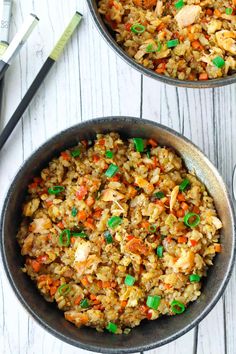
[193,242]
[217,247]
[77,300]
[196,210]
[217,13]
[203,76]
[123,304]
[145,224]
[96,158]
[65,155]
[93,297]
[90,201]
[180,213]
[84,281]
[81,215]
[152,142]
[184,206]
[209,12]
[181,197]
[35,265]
[196,44]
[182,239]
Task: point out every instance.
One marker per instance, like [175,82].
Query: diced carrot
[115,178]
[169,239]
[93,297]
[42,258]
[181,197]
[217,13]
[99,284]
[60,225]
[84,281]
[182,239]
[209,12]
[106,284]
[191,76]
[193,242]
[131,192]
[196,210]
[217,247]
[105,166]
[152,142]
[89,224]
[137,246]
[48,203]
[191,36]
[161,26]
[73,239]
[35,265]
[77,300]
[101,142]
[90,201]
[96,158]
[184,206]
[65,155]
[130,237]
[181,38]
[149,314]
[123,304]
[143,309]
[161,68]
[196,44]
[31,227]
[81,215]
[128,26]
[203,76]
[167,286]
[155,164]
[53,290]
[98,213]
[33,185]
[81,193]
[180,213]
[145,224]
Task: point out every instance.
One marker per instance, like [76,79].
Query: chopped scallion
[194,278]
[179,4]
[64,289]
[159,195]
[64,238]
[56,189]
[172,43]
[114,221]
[218,62]
[195,222]
[74,211]
[75,153]
[229,11]
[108,237]
[84,303]
[152,228]
[129,280]
[153,301]
[137,28]
[184,184]
[111,171]
[177,307]
[109,154]
[111,327]
[79,234]
[160,250]
[139,144]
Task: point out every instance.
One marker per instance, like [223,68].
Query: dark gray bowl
[149,334]
[109,37]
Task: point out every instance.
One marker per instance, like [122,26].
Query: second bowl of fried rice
[118,235]
[182,43]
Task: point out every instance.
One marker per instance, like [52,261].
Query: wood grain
[91,81]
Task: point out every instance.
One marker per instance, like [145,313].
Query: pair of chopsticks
[52,58]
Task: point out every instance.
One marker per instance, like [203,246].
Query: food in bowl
[116,231]
[187,40]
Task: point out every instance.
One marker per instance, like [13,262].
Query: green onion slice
[194,278]
[129,280]
[108,237]
[64,238]
[139,144]
[218,62]
[151,49]
[160,250]
[172,43]
[152,228]
[79,234]
[56,189]
[137,28]
[195,222]
[179,4]
[111,171]
[75,153]
[114,221]
[159,195]
[84,303]
[74,211]
[229,11]
[177,307]
[153,301]
[148,153]
[64,289]
[111,327]
[109,154]
[184,184]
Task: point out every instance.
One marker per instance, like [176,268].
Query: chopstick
[17,43]
[4,36]
[53,57]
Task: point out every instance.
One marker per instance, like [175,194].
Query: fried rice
[184,39]
[116,231]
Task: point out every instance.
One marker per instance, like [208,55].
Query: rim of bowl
[103,30]
[153,345]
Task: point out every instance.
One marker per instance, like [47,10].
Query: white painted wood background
[91,81]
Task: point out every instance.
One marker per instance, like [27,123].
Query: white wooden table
[91,81]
